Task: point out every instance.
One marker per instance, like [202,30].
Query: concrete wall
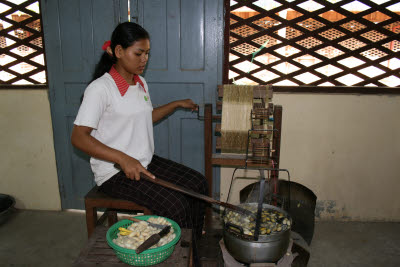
[27,160]
[346,149]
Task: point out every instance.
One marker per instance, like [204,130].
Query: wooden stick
[194,194]
[159,226]
[191,193]
[133,219]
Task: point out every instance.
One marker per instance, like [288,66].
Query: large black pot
[268,248]
[301,206]
[6,207]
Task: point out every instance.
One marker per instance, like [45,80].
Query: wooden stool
[96,199]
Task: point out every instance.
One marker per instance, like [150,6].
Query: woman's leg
[158,199]
[179,174]
[186,211]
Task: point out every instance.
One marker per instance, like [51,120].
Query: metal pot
[268,248]
[6,207]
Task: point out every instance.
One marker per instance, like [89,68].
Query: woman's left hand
[188,104]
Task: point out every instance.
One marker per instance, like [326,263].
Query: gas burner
[297,253]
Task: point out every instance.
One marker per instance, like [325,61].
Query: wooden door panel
[180,66]
[82,175]
[74,32]
[154,14]
[192,33]
[192,152]
[70,20]
[105,18]
[171,132]
[161,143]
[184,63]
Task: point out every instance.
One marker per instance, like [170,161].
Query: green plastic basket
[147,257]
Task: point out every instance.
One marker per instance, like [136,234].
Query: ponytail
[103,66]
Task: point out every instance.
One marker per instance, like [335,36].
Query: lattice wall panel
[21,43]
[314,42]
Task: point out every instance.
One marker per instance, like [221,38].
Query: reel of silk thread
[237,104]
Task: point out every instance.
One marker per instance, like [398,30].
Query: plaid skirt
[187,211]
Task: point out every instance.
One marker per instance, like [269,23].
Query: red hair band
[106,44]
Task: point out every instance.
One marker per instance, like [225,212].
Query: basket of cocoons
[125,236]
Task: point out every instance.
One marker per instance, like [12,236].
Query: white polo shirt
[121,117]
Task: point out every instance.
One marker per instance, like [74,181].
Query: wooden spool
[245,116]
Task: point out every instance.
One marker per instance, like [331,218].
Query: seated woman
[115,125]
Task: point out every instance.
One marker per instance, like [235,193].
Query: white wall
[27,160]
[346,149]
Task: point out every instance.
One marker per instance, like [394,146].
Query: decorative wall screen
[313,42]
[21,43]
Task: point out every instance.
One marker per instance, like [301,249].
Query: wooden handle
[194,194]
[191,193]
[132,219]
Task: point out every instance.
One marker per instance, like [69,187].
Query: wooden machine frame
[234,160]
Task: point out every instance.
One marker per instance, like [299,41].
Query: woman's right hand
[132,168]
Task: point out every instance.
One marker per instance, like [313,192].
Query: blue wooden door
[183,63]
[185,47]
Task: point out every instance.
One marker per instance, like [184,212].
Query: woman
[115,125]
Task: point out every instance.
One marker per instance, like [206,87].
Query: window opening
[22,59]
[313,43]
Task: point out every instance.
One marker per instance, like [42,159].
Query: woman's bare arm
[82,140]
[161,112]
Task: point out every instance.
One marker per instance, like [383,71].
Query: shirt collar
[121,83]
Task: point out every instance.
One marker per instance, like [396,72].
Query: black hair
[125,34]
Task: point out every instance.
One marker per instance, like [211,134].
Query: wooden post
[277,134]
[112,217]
[207,157]
[91,218]
[276,146]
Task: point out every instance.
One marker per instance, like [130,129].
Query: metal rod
[260,205]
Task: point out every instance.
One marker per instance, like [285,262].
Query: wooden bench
[98,253]
[96,199]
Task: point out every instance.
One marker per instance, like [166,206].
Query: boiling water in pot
[272,221]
